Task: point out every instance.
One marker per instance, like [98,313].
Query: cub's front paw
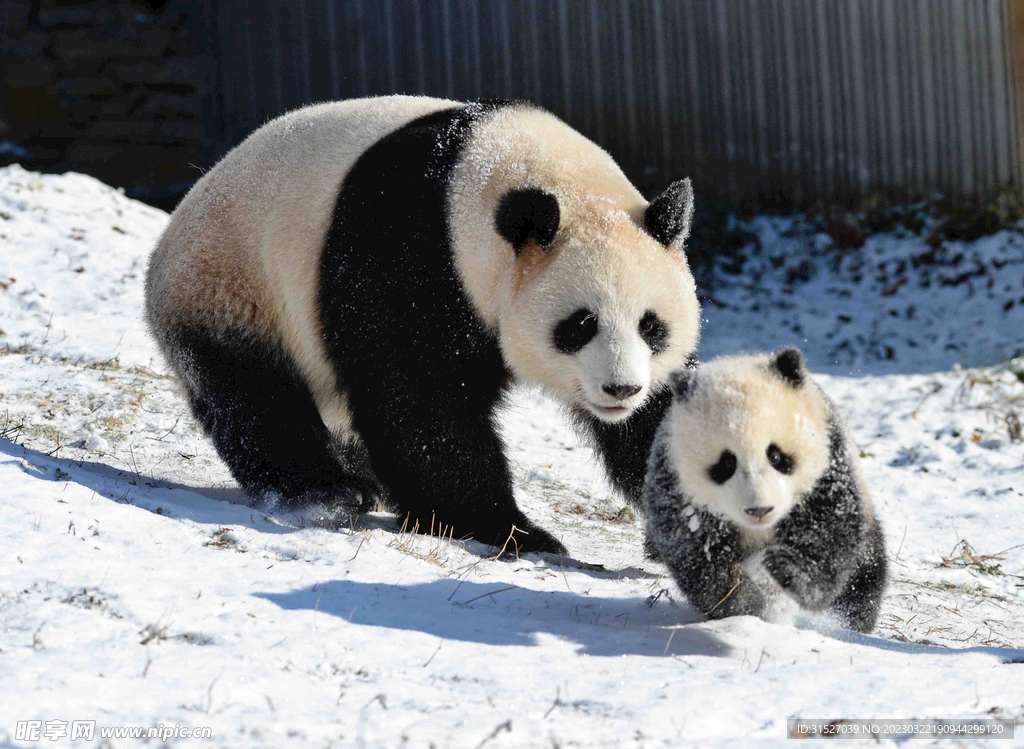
[792,574]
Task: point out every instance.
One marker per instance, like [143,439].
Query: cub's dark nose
[758,512]
[621,392]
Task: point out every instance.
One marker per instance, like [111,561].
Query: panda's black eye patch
[723,470]
[575,331]
[779,460]
[654,332]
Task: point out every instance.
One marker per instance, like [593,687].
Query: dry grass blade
[556,703]
[511,537]
[724,598]
[491,593]
[969,558]
[361,542]
[443,537]
[1014,428]
[506,726]
[434,654]
[152,632]
[932,390]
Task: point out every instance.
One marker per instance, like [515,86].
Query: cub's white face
[747,443]
[601,316]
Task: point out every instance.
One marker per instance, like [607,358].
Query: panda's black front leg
[816,551]
[702,551]
[443,463]
[708,568]
[813,586]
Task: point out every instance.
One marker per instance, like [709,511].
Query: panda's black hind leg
[259,413]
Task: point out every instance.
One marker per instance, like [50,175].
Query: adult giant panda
[349,294]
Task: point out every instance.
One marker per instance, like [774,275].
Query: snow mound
[72,266]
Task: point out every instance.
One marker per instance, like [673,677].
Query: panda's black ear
[682,382]
[669,215]
[789,365]
[527,215]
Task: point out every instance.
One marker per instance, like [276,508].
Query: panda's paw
[331,518]
[339,505]
[362,493]
[791,573]
[527,537]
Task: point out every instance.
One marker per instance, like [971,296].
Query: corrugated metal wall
[776,101]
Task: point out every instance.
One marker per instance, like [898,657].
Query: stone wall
[124,91]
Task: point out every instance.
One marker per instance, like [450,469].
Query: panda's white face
[747,444]
[600,318]
[584,282]
[611,355]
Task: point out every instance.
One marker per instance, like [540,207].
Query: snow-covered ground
[137,590]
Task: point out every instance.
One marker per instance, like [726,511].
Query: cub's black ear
[789,365]
[682,382]
[669,215]
[525,215]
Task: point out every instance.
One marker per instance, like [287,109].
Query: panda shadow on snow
[231,505]
[224,505]
[216,505]
[1009,656]
[489,613]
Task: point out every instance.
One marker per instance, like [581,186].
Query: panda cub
[753,487]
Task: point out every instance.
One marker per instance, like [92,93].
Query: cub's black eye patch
[575,331]
[654,332]
[780,461]
[723,470]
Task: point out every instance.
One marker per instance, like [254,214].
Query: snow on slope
[136,589]
[895,305]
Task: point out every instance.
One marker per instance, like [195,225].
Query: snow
[136,589]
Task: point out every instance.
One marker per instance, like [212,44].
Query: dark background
[772,104]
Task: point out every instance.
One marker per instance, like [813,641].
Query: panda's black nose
[622,391]
[758,512]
